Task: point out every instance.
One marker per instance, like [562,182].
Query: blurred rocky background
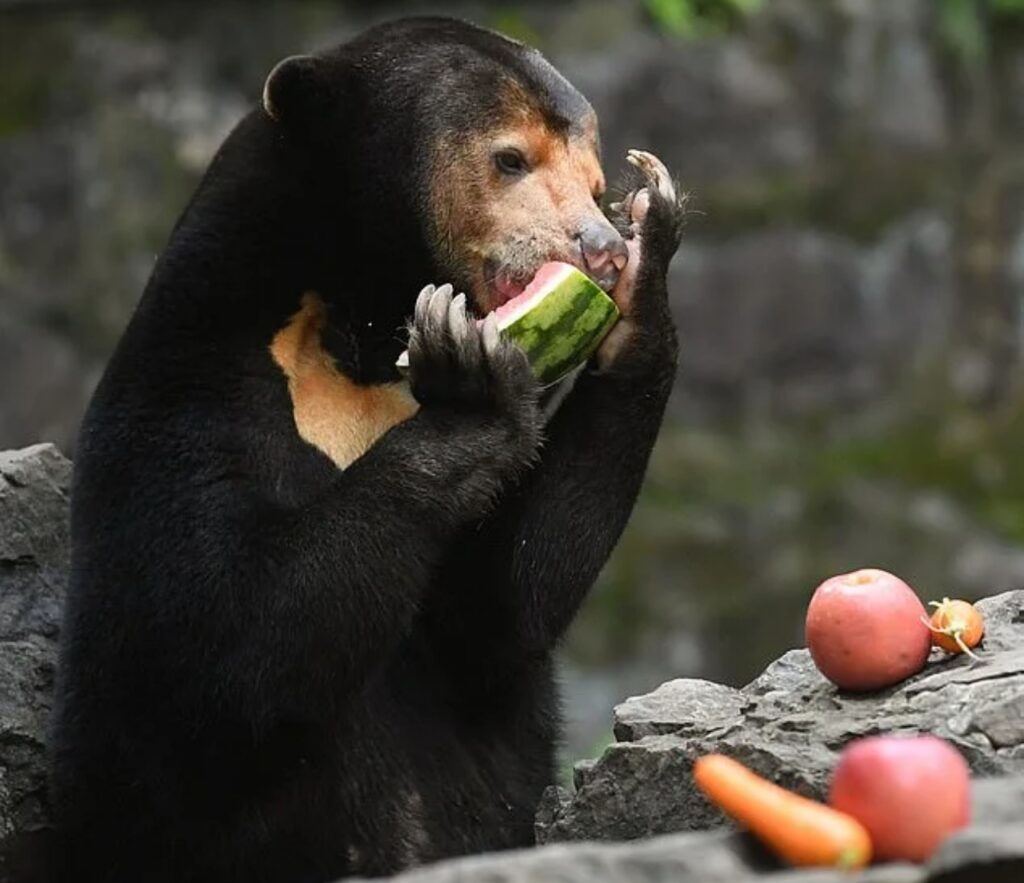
[850,293]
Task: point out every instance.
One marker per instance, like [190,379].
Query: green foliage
[966,26]
[32,59]
[961,28]
[697,18]
[512,23]
[972,458]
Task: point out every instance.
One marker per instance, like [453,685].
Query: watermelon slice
[558,321]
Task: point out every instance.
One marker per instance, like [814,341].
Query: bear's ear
[293,84]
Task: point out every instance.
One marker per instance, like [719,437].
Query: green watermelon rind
[560,329]
[563,327]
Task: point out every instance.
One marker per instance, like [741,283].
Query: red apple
[867,630]
[910,792]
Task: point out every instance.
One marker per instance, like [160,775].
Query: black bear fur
[274,669]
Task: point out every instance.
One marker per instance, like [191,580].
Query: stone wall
[34,561]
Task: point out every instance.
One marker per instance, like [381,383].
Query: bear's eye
[510,161]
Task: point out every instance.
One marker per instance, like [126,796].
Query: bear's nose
[603,250]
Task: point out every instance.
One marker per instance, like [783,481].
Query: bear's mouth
[507,286]
[504,283]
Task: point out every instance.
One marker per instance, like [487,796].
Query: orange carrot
[801,831]
[956,626]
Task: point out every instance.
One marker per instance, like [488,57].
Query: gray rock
[998,801]
[748,113]
[818,320]
[34,485]
[889,80]
[674,707]
[789,724]
[992,850]
[783,306]
[698,857]
[707,857]
[991,854]
[51,384]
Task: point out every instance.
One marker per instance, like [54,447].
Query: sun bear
[314,605]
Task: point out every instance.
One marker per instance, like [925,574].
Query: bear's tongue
[507,287]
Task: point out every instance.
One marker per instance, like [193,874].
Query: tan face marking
[332,413]
[480,214]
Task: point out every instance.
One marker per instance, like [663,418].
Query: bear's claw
[630,213]
[653,169]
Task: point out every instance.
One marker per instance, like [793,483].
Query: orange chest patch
[339,417]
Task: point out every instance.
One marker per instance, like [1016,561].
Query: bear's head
[480,159]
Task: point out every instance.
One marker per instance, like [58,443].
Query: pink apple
[910,792]
[867,630]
